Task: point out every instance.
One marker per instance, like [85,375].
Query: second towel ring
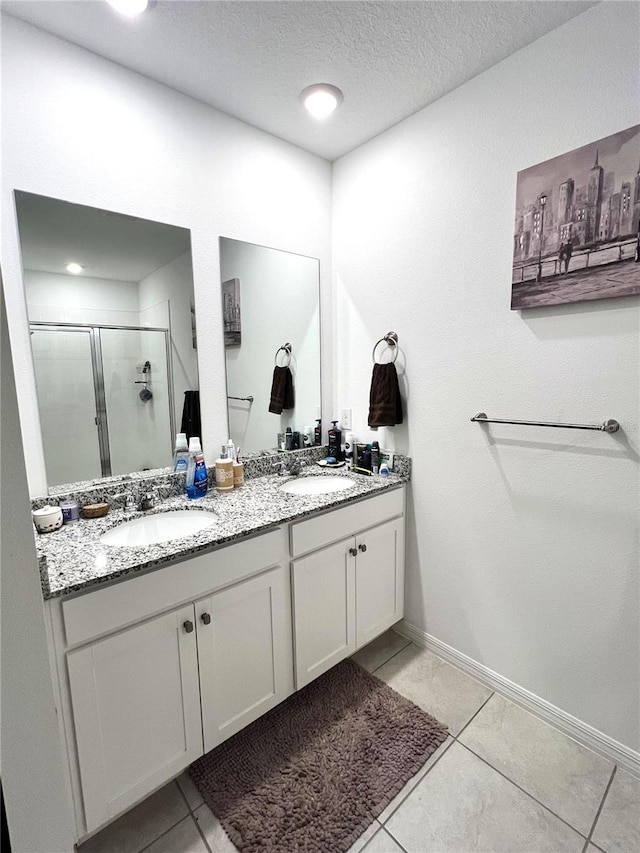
[391,340]
[286,348]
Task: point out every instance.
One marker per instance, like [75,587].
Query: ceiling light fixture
[321,99]
[74,268]
[129,7]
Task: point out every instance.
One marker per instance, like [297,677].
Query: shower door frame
[95,341]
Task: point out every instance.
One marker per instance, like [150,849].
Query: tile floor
[504,781]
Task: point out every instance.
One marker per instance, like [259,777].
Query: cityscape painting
[231,312]
[577,225]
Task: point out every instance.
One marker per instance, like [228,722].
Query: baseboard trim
[585,734]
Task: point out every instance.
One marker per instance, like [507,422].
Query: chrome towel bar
[610,425]
[248,399]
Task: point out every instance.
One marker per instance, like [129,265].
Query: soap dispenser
[335,442]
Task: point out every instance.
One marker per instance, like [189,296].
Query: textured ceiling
[252,59]
[108,245]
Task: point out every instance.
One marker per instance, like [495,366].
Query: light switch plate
[345,418]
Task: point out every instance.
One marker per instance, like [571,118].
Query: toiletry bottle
[317,433]
[375,457]
[350,449]
[366,458]
[231,451]
[238,471]
[196,485]
[295,444]
[307,437]
[335,442]
[224,471]
[288,439]
[181,453]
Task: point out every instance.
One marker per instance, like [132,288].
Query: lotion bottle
[224,471]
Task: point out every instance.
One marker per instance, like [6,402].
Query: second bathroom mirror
[270,298]
[112,322]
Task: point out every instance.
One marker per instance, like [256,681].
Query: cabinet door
[136,708]
[324,610]
[245,654]
[379,580]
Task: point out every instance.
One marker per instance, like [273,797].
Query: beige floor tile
[435,686]
[382,842]
[217,838]
[380,650]
[366,836]
[618,827]
[411,784]
[193,795]
[462,804]
[183,838]
[563,775]
[140,826]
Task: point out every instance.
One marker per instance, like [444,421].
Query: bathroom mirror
[270,299]
[112,322]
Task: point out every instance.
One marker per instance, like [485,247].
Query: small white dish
[47,519]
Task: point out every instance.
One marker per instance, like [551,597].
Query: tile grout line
[395,654]
[599,812]
[193,817]
[473,716]
[520,788]
[419,782]
[162,834]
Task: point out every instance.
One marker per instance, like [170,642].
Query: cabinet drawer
[105,610]
[345,521]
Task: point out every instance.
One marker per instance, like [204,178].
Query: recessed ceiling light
[129,7]
[321,99]
[74,268]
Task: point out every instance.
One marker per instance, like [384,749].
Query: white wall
[141,149]
[53,298]
[523,548]
[172,285]
[37,804]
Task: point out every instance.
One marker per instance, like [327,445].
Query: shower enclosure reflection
[86,369]
[113,346]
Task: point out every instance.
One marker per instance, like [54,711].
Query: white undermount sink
[160,527]
[316,485]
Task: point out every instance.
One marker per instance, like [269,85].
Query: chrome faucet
[291,466]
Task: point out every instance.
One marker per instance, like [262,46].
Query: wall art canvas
[231,312]
[577,225]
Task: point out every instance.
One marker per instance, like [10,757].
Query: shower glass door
[63,360]
[140,427]
[106,400]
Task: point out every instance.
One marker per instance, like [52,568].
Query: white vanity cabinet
[351,590]
[148,692]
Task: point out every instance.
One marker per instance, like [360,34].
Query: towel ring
[391,340]
[286,348]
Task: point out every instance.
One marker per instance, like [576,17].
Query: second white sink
[161,527]
[316,485]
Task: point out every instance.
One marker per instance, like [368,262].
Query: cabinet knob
[206,618]
[353,552]
[188,626]
[362,547]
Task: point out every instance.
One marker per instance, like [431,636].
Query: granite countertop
[73,559]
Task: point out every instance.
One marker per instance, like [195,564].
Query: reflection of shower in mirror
[145,393]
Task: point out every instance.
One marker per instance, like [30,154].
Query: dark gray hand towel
[385,405]
[281,390]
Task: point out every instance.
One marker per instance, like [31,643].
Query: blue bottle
[196,486]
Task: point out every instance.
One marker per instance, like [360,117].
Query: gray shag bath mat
[315,772]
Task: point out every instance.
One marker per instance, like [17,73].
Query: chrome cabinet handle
[362,547]
[188,626]
[206,618]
